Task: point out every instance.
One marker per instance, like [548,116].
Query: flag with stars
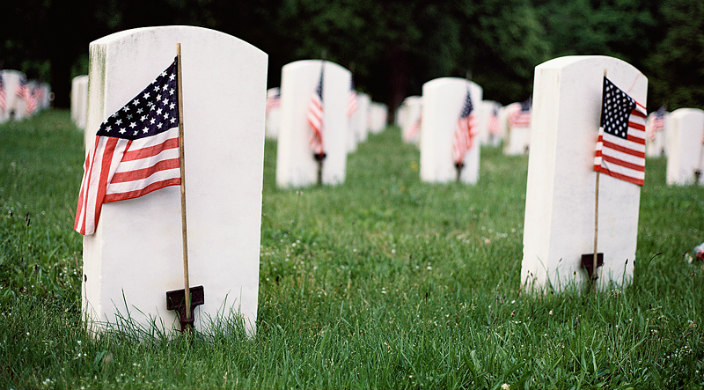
[620,147]
[464,131]
[315,116]
[136,151]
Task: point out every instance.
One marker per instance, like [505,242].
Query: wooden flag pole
[596,218]
[182,164]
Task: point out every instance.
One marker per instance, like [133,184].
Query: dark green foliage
[393,46]
[381,282]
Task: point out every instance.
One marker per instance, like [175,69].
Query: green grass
[383,282]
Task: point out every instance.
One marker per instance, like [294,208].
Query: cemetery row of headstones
[676,135]
[582,196]
[21,98]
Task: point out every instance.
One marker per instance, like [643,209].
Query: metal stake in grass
[183,301]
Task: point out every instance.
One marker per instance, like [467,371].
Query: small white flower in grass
[505,386]
[550,313]
[429,267]
[293,245]
[393,251]
[513,301]
[383,290]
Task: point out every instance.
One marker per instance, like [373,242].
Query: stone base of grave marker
[135,256]
[559,216]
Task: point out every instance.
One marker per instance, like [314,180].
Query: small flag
[464,131]
[521,118]
[315,116]
[415,128]
[31,97]
[351,100]
[620,147]
[136,151]
[494,121]
[2,93]
[273,99]
[22,89]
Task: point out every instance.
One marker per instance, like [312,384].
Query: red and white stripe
[118,169]
[415,128]
[520,119]
[315,120]
[465,131]
[624,158]
[351,103]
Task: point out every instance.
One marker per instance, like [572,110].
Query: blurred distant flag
[136,151]
[415,128]
[273,99]
[352,100]
[521,118]
[31,97]
[315,115]
[464,131]
[620,147]
[494,121]
[2,93]
[658,123]
[22,89]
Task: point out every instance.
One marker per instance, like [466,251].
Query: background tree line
[391,46]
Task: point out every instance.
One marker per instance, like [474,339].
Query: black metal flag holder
[319,158]
[178,300]
[458,169]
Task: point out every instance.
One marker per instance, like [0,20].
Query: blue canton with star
[153,111]
[616,108]
[467,107]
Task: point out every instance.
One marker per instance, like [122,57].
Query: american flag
[136,151]
[415,128]
[464,131]
[351,100]
[620,148]
[273,99]
[521,118]
[315,116]
[2,93]
[22,89]
[31,97]
[494,121]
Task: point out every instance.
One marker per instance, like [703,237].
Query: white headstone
[378,114]
[443,99]
[686,146]
[657,136]
[353,119]
[273,112]
[362,129]
[74,97]
[295,164]
[136,252]
[82,108]
[411,121]
[15,106]
[560,195]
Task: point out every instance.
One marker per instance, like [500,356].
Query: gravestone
[362,128]
[273,112]
[295,162]
[504,113]
[75,97]
[443,100]
[685,158]
[82,106]
[15,104]
[135,255]
[378,114]
[656,130]
[560,196]
[519,129]
[412,119]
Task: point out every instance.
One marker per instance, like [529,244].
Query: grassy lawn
[382,282]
